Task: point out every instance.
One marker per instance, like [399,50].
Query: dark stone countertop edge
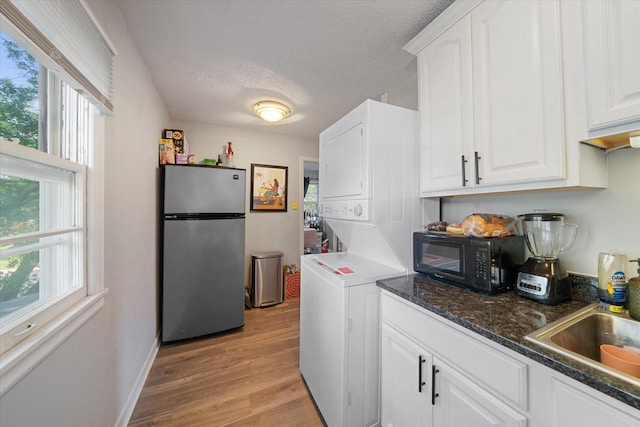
[438,304]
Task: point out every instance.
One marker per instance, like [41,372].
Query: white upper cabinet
[446,115]
[612,54]
[492,98]
[517,82]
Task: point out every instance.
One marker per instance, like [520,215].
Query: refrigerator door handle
[201,216]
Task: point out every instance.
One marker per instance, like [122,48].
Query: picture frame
[269,188]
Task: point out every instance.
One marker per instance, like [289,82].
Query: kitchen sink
[580,334]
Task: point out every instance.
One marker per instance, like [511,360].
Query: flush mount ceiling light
[271,111]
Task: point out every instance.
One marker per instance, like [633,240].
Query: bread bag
[489,225]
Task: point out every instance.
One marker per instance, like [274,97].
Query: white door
[445,97]
[343,163]
[462,403]
[517,81]
[406,381]
[612,34]
[577,405]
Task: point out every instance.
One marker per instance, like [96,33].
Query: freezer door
[203,277]
[196,189]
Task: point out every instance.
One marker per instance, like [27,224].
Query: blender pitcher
[545,234]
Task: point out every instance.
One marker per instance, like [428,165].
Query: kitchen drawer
[501,374]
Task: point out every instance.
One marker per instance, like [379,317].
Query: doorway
[311,223]
[310,216]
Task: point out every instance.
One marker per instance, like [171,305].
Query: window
[311,204]
[52,98]
[46,129]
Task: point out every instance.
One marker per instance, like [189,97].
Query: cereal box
[167,154]
[178,139]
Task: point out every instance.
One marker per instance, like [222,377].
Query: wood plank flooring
[247,377]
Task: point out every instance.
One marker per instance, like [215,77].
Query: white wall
[265,231]
[131,209]
[406,93]
[608,219]
[88,380]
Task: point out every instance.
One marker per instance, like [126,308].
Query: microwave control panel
[482,263]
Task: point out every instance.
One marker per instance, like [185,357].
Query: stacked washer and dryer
[369,196]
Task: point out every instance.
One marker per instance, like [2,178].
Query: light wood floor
[247,377]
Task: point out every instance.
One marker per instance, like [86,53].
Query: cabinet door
[612,57]
[462,403]
[405,401]
[517,81]
[572,406]
[445,98]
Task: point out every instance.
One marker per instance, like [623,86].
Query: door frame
[301,162]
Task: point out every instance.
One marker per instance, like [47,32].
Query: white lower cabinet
[573,405]
[436,373]
[405,382]
[460,402]
[420,389]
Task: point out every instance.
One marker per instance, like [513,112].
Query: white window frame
[19,325]
[46,328]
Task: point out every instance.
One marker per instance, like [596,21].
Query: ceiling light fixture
[271,111]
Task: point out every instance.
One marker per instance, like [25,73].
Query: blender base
[544,281]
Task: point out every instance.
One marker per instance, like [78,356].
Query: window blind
[65,32]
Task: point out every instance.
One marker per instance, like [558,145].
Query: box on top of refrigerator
[177,136]
[167,153]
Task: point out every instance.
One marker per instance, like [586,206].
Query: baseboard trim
[134,394]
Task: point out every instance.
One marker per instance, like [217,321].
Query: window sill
[20,360]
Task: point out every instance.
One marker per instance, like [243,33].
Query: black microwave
[484,264]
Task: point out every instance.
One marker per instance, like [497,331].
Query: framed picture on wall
[268,188]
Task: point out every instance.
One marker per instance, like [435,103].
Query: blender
[542,278]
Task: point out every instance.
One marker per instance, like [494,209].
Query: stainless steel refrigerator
[203,226]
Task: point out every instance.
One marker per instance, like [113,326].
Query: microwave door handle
[499,266]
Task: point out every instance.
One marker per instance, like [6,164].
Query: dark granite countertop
[506,319]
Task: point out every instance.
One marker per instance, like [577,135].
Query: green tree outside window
[19,198]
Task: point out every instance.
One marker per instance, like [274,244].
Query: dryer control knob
[357,210]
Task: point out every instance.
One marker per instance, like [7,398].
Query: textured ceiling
[211,60]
